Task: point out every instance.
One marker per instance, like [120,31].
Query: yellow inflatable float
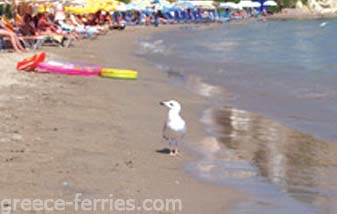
[119,74]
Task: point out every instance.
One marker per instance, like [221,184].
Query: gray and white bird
[175,127]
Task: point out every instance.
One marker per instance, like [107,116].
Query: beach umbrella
[256,4]
[144,3]
[270,3]
[230,5]
[246,4]
[183,5]
[92,6]
[135,6]
[160,5]
[107,5]
[206,5]
[122,7]
[77,2]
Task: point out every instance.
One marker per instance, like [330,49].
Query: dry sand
[62,135]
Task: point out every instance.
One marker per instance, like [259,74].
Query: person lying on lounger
[13,38]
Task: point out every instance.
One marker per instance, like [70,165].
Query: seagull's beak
[162,103]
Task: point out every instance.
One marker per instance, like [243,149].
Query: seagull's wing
[170,134]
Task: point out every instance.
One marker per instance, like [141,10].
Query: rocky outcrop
[319,6]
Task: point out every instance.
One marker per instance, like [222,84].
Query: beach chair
[115,17]
[142,18]
[169,18]
[201,18]
[184,17]
[129,18]
[197,17]
[213,15]
[177,17]
[189,16]
[124,17]
[29,42]
[227,17]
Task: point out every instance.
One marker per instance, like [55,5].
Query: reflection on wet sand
[283,170]
[299,164]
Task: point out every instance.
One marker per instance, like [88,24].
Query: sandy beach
[62,135]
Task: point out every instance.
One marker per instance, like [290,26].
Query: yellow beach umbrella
[92,6]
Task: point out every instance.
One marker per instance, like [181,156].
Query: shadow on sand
[163,151]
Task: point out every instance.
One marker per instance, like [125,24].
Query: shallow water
[286,71]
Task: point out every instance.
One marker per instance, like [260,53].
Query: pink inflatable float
[69,68]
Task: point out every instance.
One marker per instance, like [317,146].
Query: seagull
[174,127]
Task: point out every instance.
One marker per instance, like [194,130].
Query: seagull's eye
[171,104]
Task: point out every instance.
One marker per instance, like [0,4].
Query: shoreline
[97,136]
[273,147]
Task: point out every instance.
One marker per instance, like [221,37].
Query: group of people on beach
[30,31]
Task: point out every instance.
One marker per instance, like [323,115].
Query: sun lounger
[115,17]
[169,18]
[177,17]
[29,42]
[184,17]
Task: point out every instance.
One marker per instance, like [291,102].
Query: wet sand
[62,135]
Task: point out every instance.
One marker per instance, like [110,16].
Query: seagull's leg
[175,147]
[170,148]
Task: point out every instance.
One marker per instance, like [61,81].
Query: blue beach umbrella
[184,5]
[161,4]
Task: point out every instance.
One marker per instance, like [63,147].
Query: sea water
[284,154]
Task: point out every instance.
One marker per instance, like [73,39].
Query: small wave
[220,46]
[196,84]
[153,47]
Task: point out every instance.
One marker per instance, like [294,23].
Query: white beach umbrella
[230,5]
[122,7]
[270,3]
[246,3]
[161,4]
[256,4]
[77,2]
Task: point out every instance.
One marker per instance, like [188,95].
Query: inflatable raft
[29,64]
[69,68]
[118,74]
